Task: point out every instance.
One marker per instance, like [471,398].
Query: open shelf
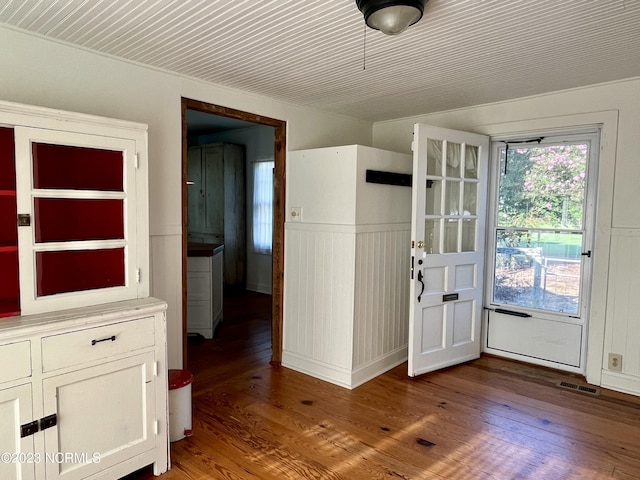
[9,307]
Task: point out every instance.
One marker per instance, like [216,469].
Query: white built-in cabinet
[83,360]
[346,305]
[85,392]
[76,187]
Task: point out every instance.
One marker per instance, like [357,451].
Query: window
[262,206]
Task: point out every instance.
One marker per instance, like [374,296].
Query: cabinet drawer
[84,346]
[199,286]
[15,359]
[198,264]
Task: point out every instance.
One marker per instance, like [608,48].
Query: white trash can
[180,404]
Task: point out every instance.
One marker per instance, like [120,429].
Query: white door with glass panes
[540,250]
[77,220]
[448,247]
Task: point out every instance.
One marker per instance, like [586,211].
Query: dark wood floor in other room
[486,419]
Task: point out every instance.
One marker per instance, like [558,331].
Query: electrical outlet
[296,214]
[615,362]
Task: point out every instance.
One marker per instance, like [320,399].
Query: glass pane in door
[450,239]
[434,157]
[543,187]
[469,235]
[471,162]
[432,236]
[539,270]
[77,168]
[74,219]
[452,198]
[78,270]
[454,159]
[433,198]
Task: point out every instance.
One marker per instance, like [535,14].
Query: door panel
[16,410]
[449,198]
[105,416]
[536,338]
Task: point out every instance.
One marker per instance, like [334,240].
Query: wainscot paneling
[346,306]
[624,303]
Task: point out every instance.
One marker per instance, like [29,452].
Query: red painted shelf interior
[77,168]
[68,219]
[9,279]
[79,270]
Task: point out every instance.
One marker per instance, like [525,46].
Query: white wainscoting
[623,303]
[346,300]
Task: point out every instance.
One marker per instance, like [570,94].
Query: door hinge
[155,369]
[155,427]
[137,160]
[29,429]
[36,426]
[138,275]
[48,421]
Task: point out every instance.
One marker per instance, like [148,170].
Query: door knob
[420,244]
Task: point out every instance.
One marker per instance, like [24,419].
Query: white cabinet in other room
[217,204]
[205,286]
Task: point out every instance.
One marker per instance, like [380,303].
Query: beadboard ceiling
[315,52]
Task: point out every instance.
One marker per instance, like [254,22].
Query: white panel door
[105,415]
[19,459]
[448,237]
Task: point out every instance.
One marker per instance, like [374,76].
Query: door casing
[278,216]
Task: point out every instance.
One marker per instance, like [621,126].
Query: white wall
[50,74]
[258,144]
[614,322]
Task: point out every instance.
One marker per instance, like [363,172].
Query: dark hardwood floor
[487,419]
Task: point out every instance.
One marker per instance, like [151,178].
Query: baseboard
[620,382]
[324,371]
[370,370]
[266,289]
[344,377]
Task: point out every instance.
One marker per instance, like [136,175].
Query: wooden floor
[486,419]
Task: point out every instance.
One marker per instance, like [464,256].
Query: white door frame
[607,121]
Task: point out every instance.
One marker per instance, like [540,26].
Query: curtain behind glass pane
[262,206]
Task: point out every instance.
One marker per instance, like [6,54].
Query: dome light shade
[391,16]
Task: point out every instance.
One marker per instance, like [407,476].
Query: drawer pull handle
[112,338]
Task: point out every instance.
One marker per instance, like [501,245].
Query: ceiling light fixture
[391,16]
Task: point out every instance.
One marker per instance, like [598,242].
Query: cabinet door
[105,415]
[213,161]
[79,244]
[16,410]
[195,192]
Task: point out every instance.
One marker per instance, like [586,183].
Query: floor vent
[579,388]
